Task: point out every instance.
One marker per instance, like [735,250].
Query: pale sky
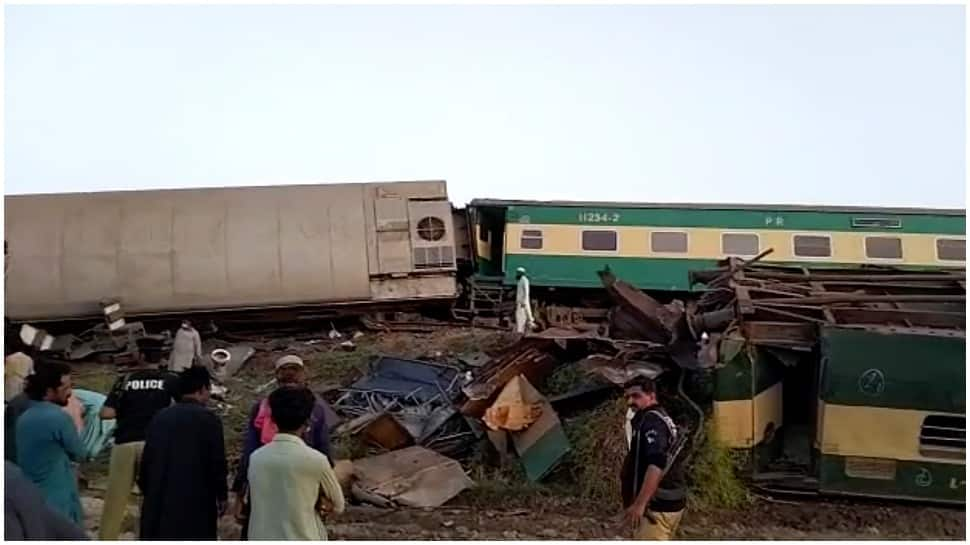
[760,104]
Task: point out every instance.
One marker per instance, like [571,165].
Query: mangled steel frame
[406,402]
[871,352]
[782,306]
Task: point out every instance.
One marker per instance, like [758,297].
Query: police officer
[134,399]
[653,500]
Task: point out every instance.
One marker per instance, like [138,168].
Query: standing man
[183,467]
[47,440]
[523,307]
[653,500]
[186,348]
[133,401]
[27,516]
[286,476]
[261,429]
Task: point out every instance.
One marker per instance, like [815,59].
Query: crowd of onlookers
[165,440]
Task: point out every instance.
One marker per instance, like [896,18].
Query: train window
[951,249]
[884,247]
[604,241]
[943,436]
[740,244]
[813,246]
[673,242]
[431,228]
[531,239]
[483,233]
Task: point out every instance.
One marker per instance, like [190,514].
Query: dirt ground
[764,520]
[500,514]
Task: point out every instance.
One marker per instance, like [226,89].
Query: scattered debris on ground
[440,417]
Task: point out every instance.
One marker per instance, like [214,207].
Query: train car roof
[128,191]
[724,206]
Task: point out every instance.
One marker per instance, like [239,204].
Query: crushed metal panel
[543,444]
[474,359]
[412,477]
[529,357]
[620,372]
[653,321]
[387,432]
[422,380]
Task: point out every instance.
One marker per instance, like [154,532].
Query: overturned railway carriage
[228,248]
[844,382]
[654,246]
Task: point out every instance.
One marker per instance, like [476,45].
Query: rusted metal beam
[918,318]
[656,322]
[859,276]
[795,315]
[867,298]
[744,300]
[825,310]
[826,285]
[787,333]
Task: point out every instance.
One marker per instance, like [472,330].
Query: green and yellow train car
[877,412]
[563,244]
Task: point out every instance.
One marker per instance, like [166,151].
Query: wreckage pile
[783,307]
[426,416]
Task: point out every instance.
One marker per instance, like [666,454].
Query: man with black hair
[134,400]
[47,439]
[289,371]
[183,466]
[653,485]
[286,476]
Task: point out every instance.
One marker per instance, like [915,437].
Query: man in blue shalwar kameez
[47,440]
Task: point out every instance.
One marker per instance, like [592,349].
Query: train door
[490,240]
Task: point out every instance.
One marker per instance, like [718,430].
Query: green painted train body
[563,244]
[885,419]
[856,415]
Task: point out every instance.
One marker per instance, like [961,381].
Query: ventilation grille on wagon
[435,257]
[943,436]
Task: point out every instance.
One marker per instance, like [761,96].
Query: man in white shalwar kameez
[523,307]
[187,348]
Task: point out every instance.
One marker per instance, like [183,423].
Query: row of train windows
[748,244]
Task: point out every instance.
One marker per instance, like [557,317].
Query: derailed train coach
[187,250]
[843,382]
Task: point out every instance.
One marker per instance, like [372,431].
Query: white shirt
[522,291]
[186,347]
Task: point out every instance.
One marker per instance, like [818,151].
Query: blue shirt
[47,442]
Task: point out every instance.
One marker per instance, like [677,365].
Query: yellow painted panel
[483,247]
[874,432]
[741,423]
[705,243]
[768,409]
[734,423]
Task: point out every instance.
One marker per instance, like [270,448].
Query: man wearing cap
[186,348]
[134,400]
[523,307]
[289,371]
